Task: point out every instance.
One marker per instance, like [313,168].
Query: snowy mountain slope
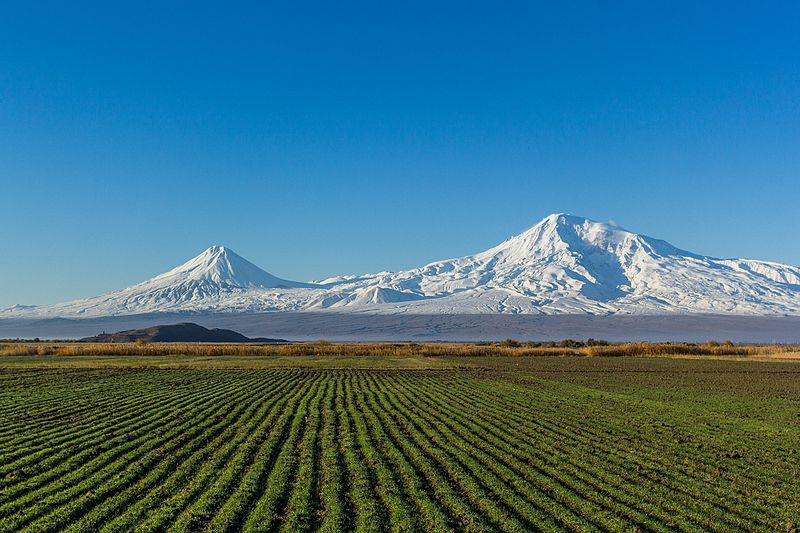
[563,264]
[569,264]
[217,279]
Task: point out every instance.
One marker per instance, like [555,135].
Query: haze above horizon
[342,139]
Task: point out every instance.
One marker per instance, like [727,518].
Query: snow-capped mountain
[563,264]
[217,279]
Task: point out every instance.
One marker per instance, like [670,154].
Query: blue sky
[318,139]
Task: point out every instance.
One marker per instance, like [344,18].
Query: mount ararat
[562,265]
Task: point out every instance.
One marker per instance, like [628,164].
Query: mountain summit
[219,268]
[562,264]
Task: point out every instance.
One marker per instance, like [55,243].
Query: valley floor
[366,443]
[348,327]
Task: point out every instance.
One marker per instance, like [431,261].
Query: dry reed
[637,349]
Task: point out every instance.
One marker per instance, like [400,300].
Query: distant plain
[334,326]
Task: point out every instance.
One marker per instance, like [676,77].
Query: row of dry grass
[638,349]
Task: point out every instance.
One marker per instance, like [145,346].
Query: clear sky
[318,139]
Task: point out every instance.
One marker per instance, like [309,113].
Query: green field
[464,444]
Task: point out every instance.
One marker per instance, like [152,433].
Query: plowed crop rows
[295,450]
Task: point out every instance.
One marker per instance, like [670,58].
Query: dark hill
[185,332]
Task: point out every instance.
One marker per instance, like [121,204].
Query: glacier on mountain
[562,265]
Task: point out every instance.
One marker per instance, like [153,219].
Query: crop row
[293,450]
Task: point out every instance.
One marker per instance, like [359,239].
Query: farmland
[434,443]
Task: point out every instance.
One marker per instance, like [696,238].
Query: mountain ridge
[563,264]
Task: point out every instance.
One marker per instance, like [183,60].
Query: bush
[597,342]
[570,343]
[510,343]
